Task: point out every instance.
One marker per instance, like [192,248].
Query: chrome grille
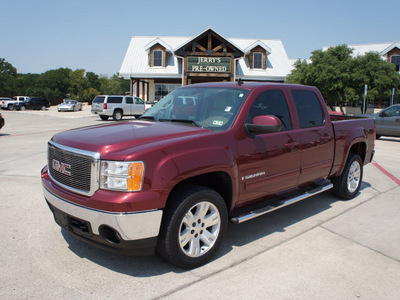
[82,173]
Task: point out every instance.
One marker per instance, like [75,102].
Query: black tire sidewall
[174,215]
[341,182]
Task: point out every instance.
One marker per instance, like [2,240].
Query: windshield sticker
[218,123]
[241,95]
[228,108]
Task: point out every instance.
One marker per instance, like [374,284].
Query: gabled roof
[209,29]
[255,44]
[158,41]
[390,48]
[136,60]
[361,49]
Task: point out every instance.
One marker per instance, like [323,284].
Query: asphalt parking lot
[319,248]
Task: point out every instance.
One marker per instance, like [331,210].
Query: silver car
[387,122]
[69,105]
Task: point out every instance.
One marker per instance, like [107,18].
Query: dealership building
[156,66]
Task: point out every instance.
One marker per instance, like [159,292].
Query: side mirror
[382,114]
[263,124]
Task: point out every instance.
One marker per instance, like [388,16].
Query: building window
[162,90]
[395,59]
[157,58]
[257,60]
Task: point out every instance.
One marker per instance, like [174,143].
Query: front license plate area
[71,223]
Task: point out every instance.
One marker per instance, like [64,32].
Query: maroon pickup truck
[204,155]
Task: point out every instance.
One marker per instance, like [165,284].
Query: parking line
[391,176]
[13,135]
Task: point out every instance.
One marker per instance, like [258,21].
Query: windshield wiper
[149,118]
[192,122]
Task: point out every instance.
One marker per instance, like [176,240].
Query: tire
[189,238]
[43,107]
[10,107]
[117,115]
[22,108]
[347,185]
[104,118]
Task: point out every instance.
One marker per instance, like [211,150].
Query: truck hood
[108,140]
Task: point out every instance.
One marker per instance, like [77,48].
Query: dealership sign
[209,64]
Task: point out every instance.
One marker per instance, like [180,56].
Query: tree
[340,77]
[7,76]
[93,80]
[53,84]
[328,70]
[78,83]
[89,94]
[113,85]
[380,76]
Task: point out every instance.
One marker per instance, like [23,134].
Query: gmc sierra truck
[204,155]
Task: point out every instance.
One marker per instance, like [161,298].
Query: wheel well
[360,149]
[217,181]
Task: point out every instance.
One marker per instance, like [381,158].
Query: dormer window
[395,59]
[157,58]
[257,60]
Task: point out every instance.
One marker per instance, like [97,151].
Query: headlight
[122,176]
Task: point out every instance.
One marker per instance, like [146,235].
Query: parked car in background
[387,122]
[69,105]
[4,102]
[8,103]
[2,122]
[117,106]
[33,103]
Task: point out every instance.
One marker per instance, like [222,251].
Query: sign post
[391,100]
[365,97]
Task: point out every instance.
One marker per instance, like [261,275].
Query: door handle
[324,139]
[291,145]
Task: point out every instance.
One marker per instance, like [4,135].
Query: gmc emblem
[61,167]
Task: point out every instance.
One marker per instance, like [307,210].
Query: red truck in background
[204,155]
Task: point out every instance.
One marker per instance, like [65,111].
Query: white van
[117,106]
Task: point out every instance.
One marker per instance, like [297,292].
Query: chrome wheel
[353,179]
[199,229]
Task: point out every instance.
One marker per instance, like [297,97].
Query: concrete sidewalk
[355,255]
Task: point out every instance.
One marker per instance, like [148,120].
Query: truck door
[129,107]
[139,106]
[316,137]
[269,163]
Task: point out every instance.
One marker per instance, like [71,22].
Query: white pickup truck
[9,103]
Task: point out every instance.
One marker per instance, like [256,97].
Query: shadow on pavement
[237,235]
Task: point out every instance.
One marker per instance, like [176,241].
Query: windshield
[211,108]
[70,102]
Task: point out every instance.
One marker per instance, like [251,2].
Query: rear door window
[129,100]
[114,99]
[308,108]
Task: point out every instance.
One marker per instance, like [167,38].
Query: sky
[41,35]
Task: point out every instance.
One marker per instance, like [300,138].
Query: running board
[274,206]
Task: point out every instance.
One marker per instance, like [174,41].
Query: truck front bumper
[129,233]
